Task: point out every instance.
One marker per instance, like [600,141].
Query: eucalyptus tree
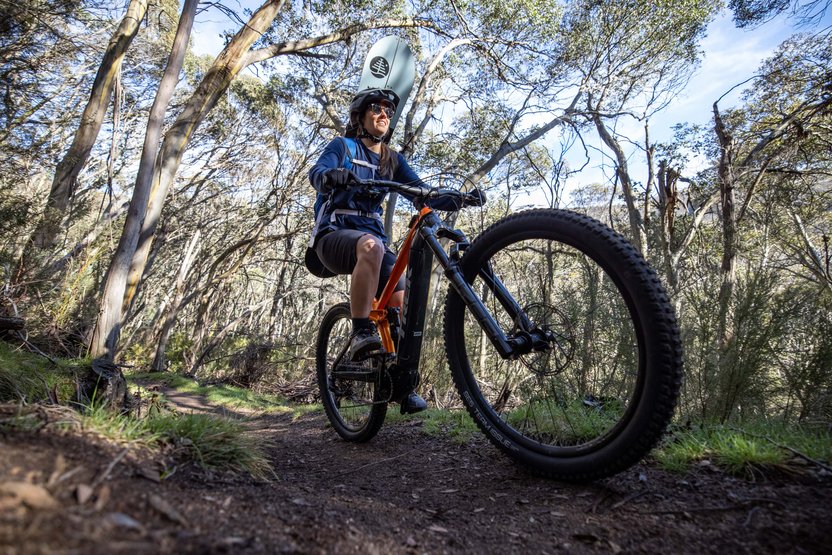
[632,59]
[235,56]
[38,53]
[749,13]
[778,138]
[92,118]
[113,290]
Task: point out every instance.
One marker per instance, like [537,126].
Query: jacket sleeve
[406,175]
[331,158]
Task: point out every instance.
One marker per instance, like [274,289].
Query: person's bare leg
[396,300]
[364,282]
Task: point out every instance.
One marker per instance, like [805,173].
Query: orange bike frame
[378,314]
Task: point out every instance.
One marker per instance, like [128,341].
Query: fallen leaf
[123,520]
[150,473]
[103,497]
[437,528]
[60,468]
[167,509]
[30,495]
[83,493]
[300,501]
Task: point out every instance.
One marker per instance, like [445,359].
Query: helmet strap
[365,134]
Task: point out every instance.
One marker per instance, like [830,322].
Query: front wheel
[597,396]
[349,390]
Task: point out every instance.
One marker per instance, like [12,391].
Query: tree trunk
[228,64]
[173,309]
[105,336]
[638,232]
[75,159]
[728,269]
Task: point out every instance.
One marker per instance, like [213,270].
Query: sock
[361,324]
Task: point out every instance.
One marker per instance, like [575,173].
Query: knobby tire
[353,408]
[599,401]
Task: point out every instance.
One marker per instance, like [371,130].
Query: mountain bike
[561,340]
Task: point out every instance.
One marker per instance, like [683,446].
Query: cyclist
[349,233]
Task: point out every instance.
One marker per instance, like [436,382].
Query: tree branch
[297,46]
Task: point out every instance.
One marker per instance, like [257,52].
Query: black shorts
[336,250]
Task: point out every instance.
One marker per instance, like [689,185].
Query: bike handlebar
[419,194]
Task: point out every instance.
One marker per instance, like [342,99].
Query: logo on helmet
[379,67]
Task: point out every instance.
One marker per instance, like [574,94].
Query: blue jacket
[336,155]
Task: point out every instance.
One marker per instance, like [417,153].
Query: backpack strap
[351,146]
[348,161]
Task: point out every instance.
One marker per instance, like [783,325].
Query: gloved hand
[337,178]
[475,197]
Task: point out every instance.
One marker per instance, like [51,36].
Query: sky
[730,56]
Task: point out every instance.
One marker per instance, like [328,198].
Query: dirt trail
[404,492]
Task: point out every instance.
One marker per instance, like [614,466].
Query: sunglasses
[378,108]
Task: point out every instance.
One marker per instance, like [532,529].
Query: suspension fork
[501,293]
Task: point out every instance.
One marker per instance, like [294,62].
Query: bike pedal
[362,357]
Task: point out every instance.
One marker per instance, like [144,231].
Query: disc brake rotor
[560,339]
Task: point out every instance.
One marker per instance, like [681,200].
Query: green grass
[120,428]
[30,378]
[215,443]
[223,395]
[744,450]
[454,424]
[211,441]
[567,424]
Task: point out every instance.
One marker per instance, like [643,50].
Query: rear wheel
[597,394]
[349,390]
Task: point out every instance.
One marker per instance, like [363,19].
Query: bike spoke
[575,392]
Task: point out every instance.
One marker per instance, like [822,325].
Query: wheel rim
[351,401]
[581,393]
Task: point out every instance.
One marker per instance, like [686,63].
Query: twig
[627,499]
[350,471]
[786,447]
[113,463]
[34,349]
[750,514]
[748,504]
